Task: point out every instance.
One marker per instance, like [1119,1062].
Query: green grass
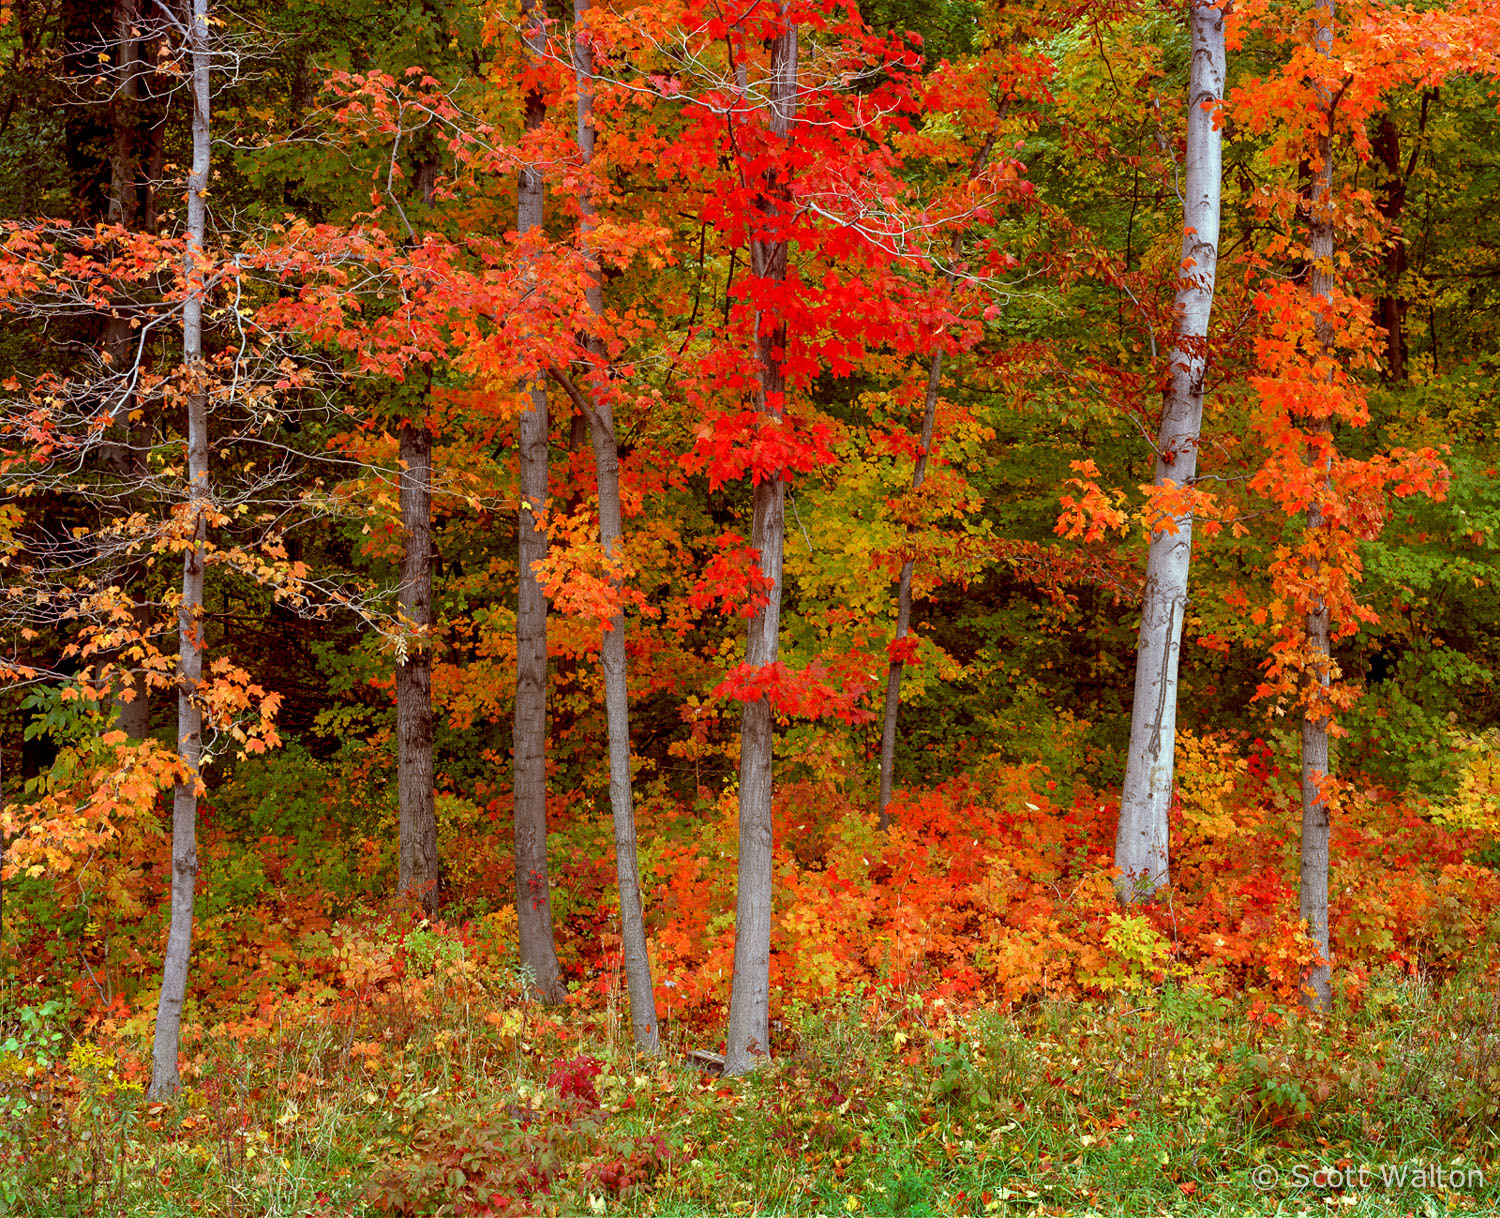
[1167,1102]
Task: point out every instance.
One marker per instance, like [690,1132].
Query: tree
[749,1033]
[94,526]
[908,565]
[194,524]
[136,156]
[418,874]
[1313,891]
[598,410]
[1142,850]
[1392,303]
[533,894]
[788,155]
[1316,342]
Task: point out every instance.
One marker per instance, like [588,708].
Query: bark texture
[538,949]
[418,876]
[748,1038]
[1313,888]
[1142,847]
[164,1077]
[600,414]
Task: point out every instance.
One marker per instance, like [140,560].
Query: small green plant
[1138,956]
[35,1035]
[955,1076]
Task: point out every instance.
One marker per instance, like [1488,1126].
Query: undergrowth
[445,1093]
[964,1020]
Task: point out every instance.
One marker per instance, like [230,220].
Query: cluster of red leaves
[812,692]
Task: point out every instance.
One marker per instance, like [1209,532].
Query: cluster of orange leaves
[991,889]
[991,892]
[85,806]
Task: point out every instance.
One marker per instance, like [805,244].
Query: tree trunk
[1391,309]
[903,612]
[1142,849]
[164,1076]
[125,168]
[128,458]
[1313,890]
[748,1039]
[533,892]
[919,475]
[419,850]
[600,413]
[133,717]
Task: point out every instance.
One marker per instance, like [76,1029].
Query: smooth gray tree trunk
[1142,849]
[538,949]
[919,476]
[600,414]
[1313,889]
[748,1038]
[164,1077]
[418,876]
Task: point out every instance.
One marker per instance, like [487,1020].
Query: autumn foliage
[956,270]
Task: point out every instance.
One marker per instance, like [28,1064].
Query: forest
[749,607]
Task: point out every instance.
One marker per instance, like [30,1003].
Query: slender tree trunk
[533,890]
[132,713]
[1390,308]
[164,1076]
[748,1039]
[919,475]
[600,414]
[419,849]
[1142,850]
[1313,891]
[124,159]
[903,608]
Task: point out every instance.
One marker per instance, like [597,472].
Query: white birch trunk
[164,1077]
[1142,851]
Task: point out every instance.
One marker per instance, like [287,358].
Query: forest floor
[964,1022]
[446,1093]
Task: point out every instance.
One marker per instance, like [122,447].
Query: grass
[445,1093]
